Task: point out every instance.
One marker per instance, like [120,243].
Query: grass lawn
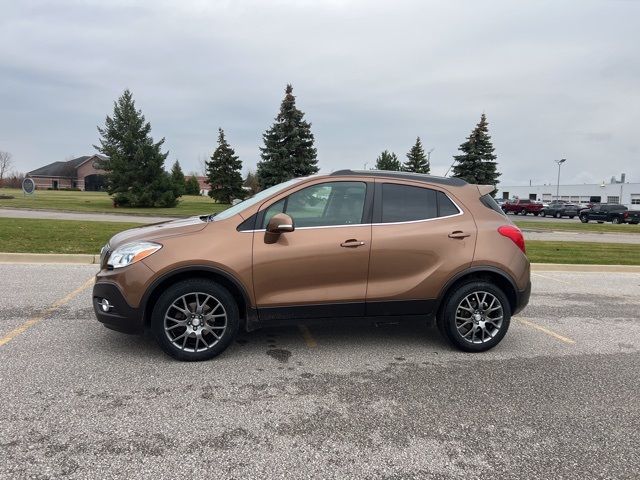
[101,202]
[583,253]
[32,235]
[577,226]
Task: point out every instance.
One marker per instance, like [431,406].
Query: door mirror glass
[280,223]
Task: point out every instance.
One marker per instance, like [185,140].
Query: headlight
[131,253]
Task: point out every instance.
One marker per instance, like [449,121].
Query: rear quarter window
[488,201]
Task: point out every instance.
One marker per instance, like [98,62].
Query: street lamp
[559,162]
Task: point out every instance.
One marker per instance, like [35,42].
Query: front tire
[615,220]
[523,211]
[543,213]
[195,320]
[475,316]
[558,215]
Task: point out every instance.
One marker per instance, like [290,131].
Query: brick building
[80,173]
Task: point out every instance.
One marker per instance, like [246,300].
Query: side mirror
[280,223]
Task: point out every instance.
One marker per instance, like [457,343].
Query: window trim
[377,205]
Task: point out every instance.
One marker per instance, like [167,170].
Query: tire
[571,217]
[523,211]
[453,329]
[584,219]
[615,220]
[218,331]
[558,215]
[543,213]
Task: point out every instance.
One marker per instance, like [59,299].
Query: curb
[41,258]
[88,259]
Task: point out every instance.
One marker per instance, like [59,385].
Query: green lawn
[32,235]
[577,226]
[101,202]
[583,253]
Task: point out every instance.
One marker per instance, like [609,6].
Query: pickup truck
[522,206]
[610,212]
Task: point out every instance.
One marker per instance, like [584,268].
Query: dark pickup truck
[522,206]
[610,212]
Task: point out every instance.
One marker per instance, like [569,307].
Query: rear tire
[523,211]
[475,316]
[584,219]
[558,215]
[195,320]
[544,213]
[615,220]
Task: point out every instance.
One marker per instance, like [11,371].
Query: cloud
[556,79]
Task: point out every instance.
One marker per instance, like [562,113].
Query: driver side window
[324,204]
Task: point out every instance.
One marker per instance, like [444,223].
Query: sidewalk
[89,216]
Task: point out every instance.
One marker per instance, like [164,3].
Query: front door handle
[352,243]
[459,234]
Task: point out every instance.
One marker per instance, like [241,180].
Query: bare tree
[5,164]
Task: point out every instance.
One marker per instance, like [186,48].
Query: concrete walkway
[88,216]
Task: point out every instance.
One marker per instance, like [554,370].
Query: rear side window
[446,208]
[404,203]
[489,202]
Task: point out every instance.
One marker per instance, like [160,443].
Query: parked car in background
[559,209]
[522,206]
[348,244]
[610,212]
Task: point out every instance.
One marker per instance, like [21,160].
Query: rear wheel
[543,212]
[195,320]
[558,215]
[475,317]
[584,219]
[523,211]
[615,220]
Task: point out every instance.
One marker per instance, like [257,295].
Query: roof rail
[418,177]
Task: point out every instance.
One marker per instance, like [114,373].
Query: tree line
[135,174]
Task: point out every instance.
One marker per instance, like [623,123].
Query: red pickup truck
[522,206]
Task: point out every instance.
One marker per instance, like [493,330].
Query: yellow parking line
[308,338]
[546,330]
[38,318]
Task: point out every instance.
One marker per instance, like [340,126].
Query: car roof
[416,177]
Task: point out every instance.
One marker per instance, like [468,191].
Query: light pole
[559,162]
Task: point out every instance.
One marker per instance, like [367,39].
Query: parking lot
[558,398]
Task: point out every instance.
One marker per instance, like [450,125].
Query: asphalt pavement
[558,398]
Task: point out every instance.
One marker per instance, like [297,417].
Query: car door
[421,236]
[319,269]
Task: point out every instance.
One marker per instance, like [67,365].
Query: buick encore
[348,244]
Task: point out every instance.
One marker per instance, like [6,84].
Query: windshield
[257,198]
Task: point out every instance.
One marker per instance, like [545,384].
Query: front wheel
[195,319]
[475,316]
[523,211]
[543,213]
[615,220]
[558,215]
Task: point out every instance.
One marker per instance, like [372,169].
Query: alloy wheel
[195,322]
[479,317]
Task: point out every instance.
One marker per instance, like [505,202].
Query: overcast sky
[555,78]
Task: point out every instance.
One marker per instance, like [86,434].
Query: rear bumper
[121,316]
[522,298]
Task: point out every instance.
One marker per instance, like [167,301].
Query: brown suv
[348,244]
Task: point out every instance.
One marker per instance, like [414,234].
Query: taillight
[514,234]
[625,215]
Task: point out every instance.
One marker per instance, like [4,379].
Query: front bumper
[121,316]
[522,299]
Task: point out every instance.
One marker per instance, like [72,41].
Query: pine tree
[191,186]
[177,178]
[252,183]
[135,174]
[288,150]
[388,161]
[223,172]
[477,164]
[417,161]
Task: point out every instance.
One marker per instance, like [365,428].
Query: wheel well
[220,279]
[497,279]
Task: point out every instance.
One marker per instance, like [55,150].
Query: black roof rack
[419,177]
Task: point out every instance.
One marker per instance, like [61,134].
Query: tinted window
[324,204]
[403,203]
[489,202]
[447,208]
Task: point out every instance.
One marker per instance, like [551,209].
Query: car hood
[158,231]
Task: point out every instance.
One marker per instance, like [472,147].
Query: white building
[625,193]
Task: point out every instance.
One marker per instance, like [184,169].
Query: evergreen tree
[477,164]
[417,161]
[177,178]
[288,150]
[223,172]
[135,174]
[191,186]
[388,161]
[252,183]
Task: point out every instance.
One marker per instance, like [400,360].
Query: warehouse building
[617,191]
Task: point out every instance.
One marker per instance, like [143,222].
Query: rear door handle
[352,243]
[459,234]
